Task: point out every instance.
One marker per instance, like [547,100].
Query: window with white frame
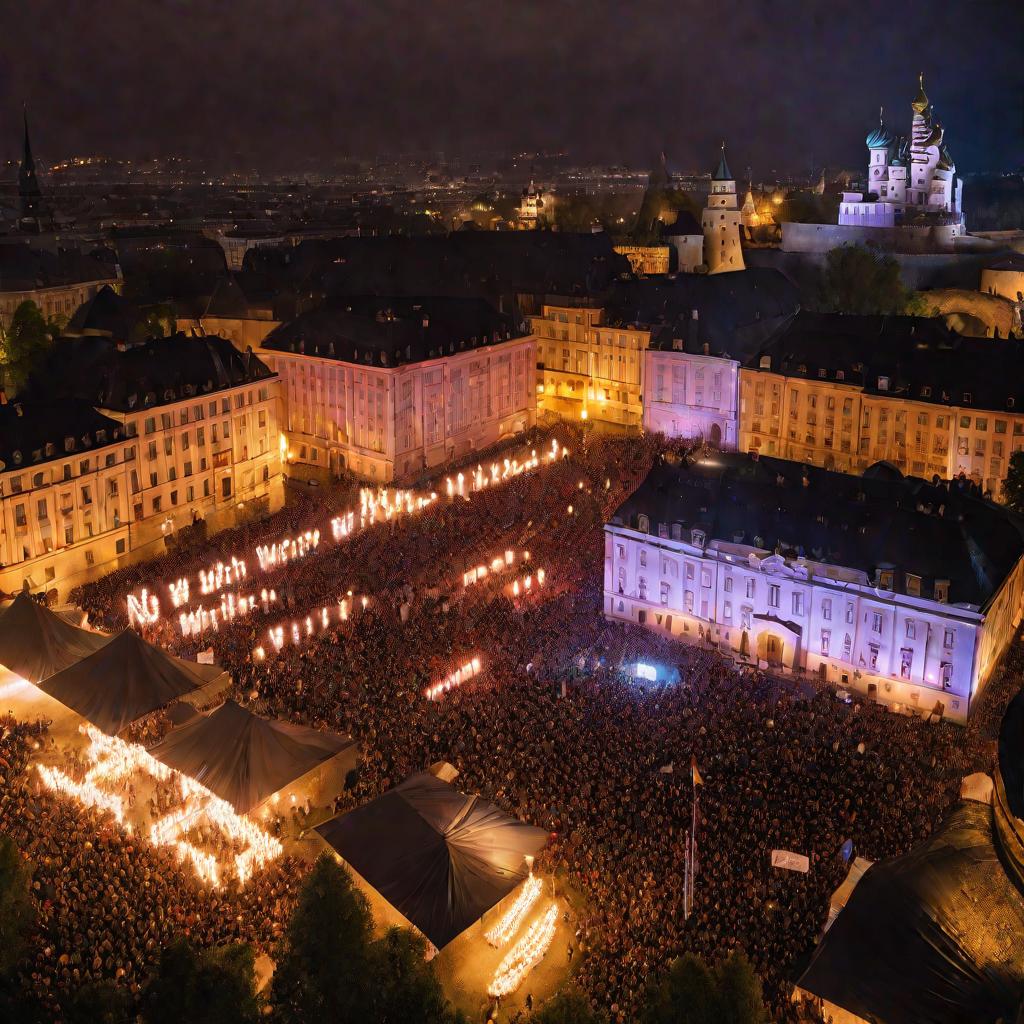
[774,595]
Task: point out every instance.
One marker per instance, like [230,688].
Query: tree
[691,993]
[739,992]
[17,910]
[568,1006]
[1013,485]
[860,280]
[102,1002]
[322,961]
[213,986]
[24,342]
[403,986]
[686,994]
[159,321]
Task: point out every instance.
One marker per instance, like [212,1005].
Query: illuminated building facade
[845,392]
[872,583]
[388,388]
[126,445]
[587,368]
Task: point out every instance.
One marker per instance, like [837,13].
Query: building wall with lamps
[845,392]
[143,441]
[587,368]
[695,553]
[390,388]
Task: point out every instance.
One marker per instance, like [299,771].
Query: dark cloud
[785,81]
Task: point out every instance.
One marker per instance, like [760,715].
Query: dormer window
[883,383]
[17,458]
[643,523]
[840,375]
[822,372]
[926,392]
[885,579]
[698,538]
[968,398]
[913,585]
[942,591]
[69,444]
[49,449]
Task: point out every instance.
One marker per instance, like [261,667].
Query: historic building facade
[387,389]
[845,392]
[791,569]
[141,442]
[588,369]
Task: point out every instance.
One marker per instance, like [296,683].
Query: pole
[686,878]
[693,843]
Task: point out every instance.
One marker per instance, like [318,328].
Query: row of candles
[380,504]
[525,954]
[113,759]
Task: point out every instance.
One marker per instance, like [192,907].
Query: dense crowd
[552,730]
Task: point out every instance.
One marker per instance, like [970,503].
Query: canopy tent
[124,680]
[934,936]
[244,759]
[35,642]
[439,857]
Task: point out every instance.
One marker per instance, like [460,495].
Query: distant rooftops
[152,373]
[24,268]
[390,331]
[914,357]
[733,314]
[880,520]
[33,432]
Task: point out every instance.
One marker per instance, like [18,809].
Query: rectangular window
[798,604]
[826,638]
[826,610]
[947,638]
[705,577]
[727,586]
[911,629]
[774,593]
[876,622]
[750,588]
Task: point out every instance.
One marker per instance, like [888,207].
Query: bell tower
[721,222]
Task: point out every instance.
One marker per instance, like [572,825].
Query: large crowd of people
[551,729]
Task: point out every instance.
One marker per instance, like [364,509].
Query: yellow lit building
[588,369]
[845,392]
[646,259]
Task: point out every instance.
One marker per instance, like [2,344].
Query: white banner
[790,861]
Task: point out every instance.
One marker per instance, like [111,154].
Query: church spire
[722,172]
[28,184]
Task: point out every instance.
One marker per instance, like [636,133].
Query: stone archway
[771,648]
[715,435]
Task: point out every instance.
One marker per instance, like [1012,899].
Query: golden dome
[920,103]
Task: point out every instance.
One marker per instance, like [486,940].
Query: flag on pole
[697,780]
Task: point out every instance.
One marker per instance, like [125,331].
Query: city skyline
[262,85]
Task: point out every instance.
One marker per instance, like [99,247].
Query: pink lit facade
[692,396]
[394,422]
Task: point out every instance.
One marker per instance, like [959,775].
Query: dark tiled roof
[1015,261]
[855,522]
[917,358]
[684,224]
[105,313]
[736,313]
[26,428]
[391,331]
[466,263]
[23,268]
[152,373]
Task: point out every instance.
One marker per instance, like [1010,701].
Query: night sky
[276,83]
